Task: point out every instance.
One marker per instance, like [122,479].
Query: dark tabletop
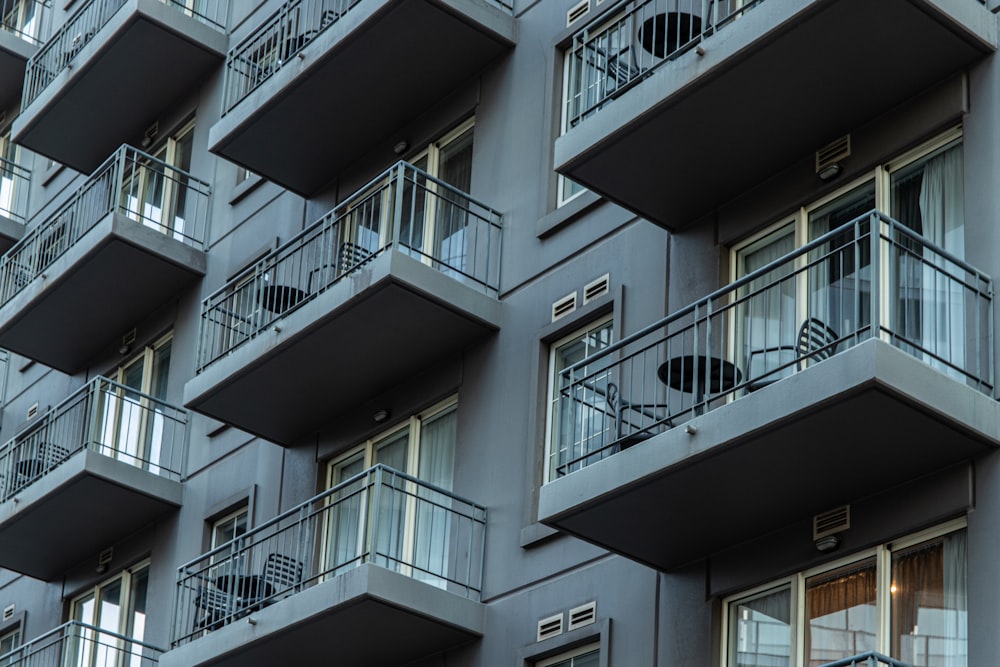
[679,373]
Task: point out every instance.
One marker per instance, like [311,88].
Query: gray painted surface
[14,54]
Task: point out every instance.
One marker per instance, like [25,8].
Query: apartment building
[499,333]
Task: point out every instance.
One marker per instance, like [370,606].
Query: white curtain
[433,515]
[956,598]
[769,318]
[942,213]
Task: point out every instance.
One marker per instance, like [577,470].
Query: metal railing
[619,49]
[869,659]
[80,29]
[279,38]
[404,207]
[870,278]
[379,516]
[15,182]
[139,186]
[76,643]
[106,417]
[28,19]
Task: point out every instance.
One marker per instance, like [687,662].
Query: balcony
[870,659]
[123,244]
[105,462]
[867,354]
[400,275]
[321,82]
[23,27]
[105,49]
[76,643]
[15,183]
[380,550]
[706,110]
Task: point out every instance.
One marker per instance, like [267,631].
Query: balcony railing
[279,38]
[139,186]
[14,187]
[79,30]
[28,19]
[109,418]
[870,278]
[404,207]
[379,516]
[870,659]
[76,643]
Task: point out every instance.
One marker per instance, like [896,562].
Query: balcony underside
[366,616]
[115,275]
[148,56]
[14,54]
[80,507]
[386,321]
[375,69]
[773,86]
[865,420]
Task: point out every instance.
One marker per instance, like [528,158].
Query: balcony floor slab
[868,419]
[14,54]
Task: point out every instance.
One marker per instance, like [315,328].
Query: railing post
[876,296]
[91,426]
[397,213]
[374,511]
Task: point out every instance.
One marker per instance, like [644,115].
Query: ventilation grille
[833,152]
[550,627]
[564,306]
[577,11]
[596,288]
[832,522]
[105,556]
[8,612]
[129,337]
[32,410]
[582,615]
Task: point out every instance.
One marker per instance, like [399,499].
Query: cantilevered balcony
[380,550]
[23,26]
[400,275]
[95,468]
[123,244]
[15,183]
[672,107]
[76,643]
[78,103]
[858,362]
[320,82]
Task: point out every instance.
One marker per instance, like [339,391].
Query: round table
[679,373]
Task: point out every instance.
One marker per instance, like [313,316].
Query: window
[576,425]
[23,18]
[568,189]
[924,192]
[423,447]
[13,186]
[117,605]
[156,195]
[229,528]
[8,642]
[906,599]
[585,656]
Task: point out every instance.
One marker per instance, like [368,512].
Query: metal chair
[215,606]
[816,340]
[620,405]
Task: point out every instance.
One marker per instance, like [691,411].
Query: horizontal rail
[58,53]
[78,643]
[134,184]
[104,416]
[869,278]
[870,659]
[404,207]
[379,516]
[28,19]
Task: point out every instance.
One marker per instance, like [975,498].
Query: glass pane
[137,605]
[761,630]
[432,527]
[348,506]
[840,614]
[393,500]
[452,216]
[929,603]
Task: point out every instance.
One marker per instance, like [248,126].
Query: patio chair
[215,606]
[815,340]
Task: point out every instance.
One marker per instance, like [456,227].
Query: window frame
[124,624]
[572,654]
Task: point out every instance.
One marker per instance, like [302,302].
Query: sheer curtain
[942,212]
[841,615]
[763,635]
[768,314]
[432,529]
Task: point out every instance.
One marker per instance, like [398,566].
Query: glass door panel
[761,634]
[346,535]
[841,618]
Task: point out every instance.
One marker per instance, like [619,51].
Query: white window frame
[124,625]
[882,554]
[572,654]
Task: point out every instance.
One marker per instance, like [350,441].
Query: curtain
[763,630]
[768,314]
[432,530]
[840,614]
[942,213]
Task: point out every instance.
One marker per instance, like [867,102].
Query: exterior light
[380,415]
[828,543]
[830,171]
[400,147]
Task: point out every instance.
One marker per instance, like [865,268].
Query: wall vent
[833,152]
[129,337]
[564,306]
[582,615]
[831,522]
[596,288]
[32,410]
[105,556]
[577,11]
[8,612]
[550,627]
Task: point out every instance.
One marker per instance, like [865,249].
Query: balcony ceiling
[139,64]
[84,505]
[115,275]
[773,87]
[387,321]
[367,75]
[14,54]
[866,420]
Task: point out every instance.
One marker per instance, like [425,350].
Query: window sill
[567,213]
[245,188]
